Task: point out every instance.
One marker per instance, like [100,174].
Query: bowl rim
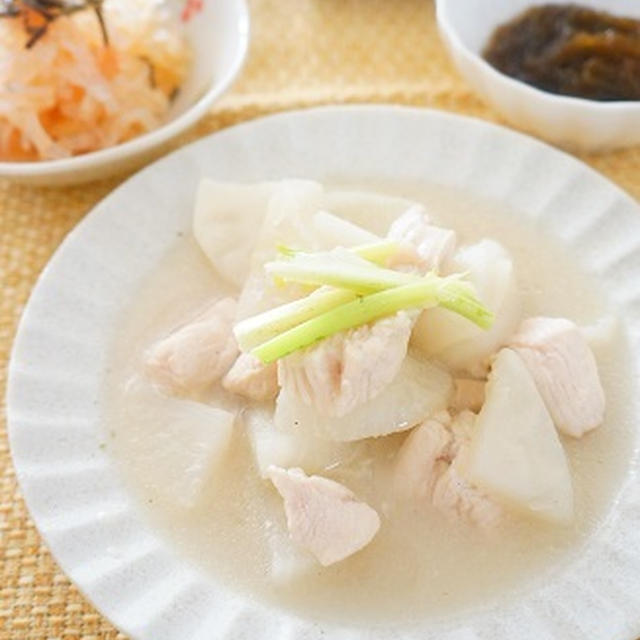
[150,139]
[456,130]
[450,32]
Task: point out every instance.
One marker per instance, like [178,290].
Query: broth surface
[419,565]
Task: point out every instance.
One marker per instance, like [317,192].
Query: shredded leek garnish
[353,291]
[340,268]
[258,329]
[376,252]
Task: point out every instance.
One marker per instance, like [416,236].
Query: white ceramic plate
[72,487]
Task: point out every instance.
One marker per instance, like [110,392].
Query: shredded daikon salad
[70,93]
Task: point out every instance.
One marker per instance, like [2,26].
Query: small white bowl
[575,123]
[218,35]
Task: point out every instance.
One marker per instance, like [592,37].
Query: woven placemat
[303,52]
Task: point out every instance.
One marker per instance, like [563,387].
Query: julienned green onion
[376,252]
[426,292]
[342,269]
[353,291]
[459,296]
[379,252]
[265,326]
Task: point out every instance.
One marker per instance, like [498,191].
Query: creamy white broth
[419,565]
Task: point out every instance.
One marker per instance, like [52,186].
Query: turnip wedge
[460,345]
[516,454]
[419,389]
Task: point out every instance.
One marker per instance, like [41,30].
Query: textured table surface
[303,52]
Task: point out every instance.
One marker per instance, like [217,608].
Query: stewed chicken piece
[349,368]
[250,378]
[458,498]
[418,458]
[197,354]
[560,361]
[324,516]
[434,245]
[429,468]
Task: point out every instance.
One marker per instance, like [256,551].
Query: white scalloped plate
[72,487]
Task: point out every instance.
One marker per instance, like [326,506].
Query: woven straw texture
[303,52]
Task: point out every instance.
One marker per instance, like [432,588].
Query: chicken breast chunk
[457,498]
[416,460]
[560,361]
[429,468]
[349,368]
[435,246]
[197,354]
[250,378]
[324,516]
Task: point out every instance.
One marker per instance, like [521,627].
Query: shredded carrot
[108,62]
[69,94]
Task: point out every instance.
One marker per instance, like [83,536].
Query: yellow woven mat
[303,52]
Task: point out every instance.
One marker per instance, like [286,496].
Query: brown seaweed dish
[570,50]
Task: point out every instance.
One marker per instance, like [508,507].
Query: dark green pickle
[570,50]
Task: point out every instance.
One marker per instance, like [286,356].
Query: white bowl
[576,123]
[101,533]
[218,36]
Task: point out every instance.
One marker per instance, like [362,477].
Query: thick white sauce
[419,565]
